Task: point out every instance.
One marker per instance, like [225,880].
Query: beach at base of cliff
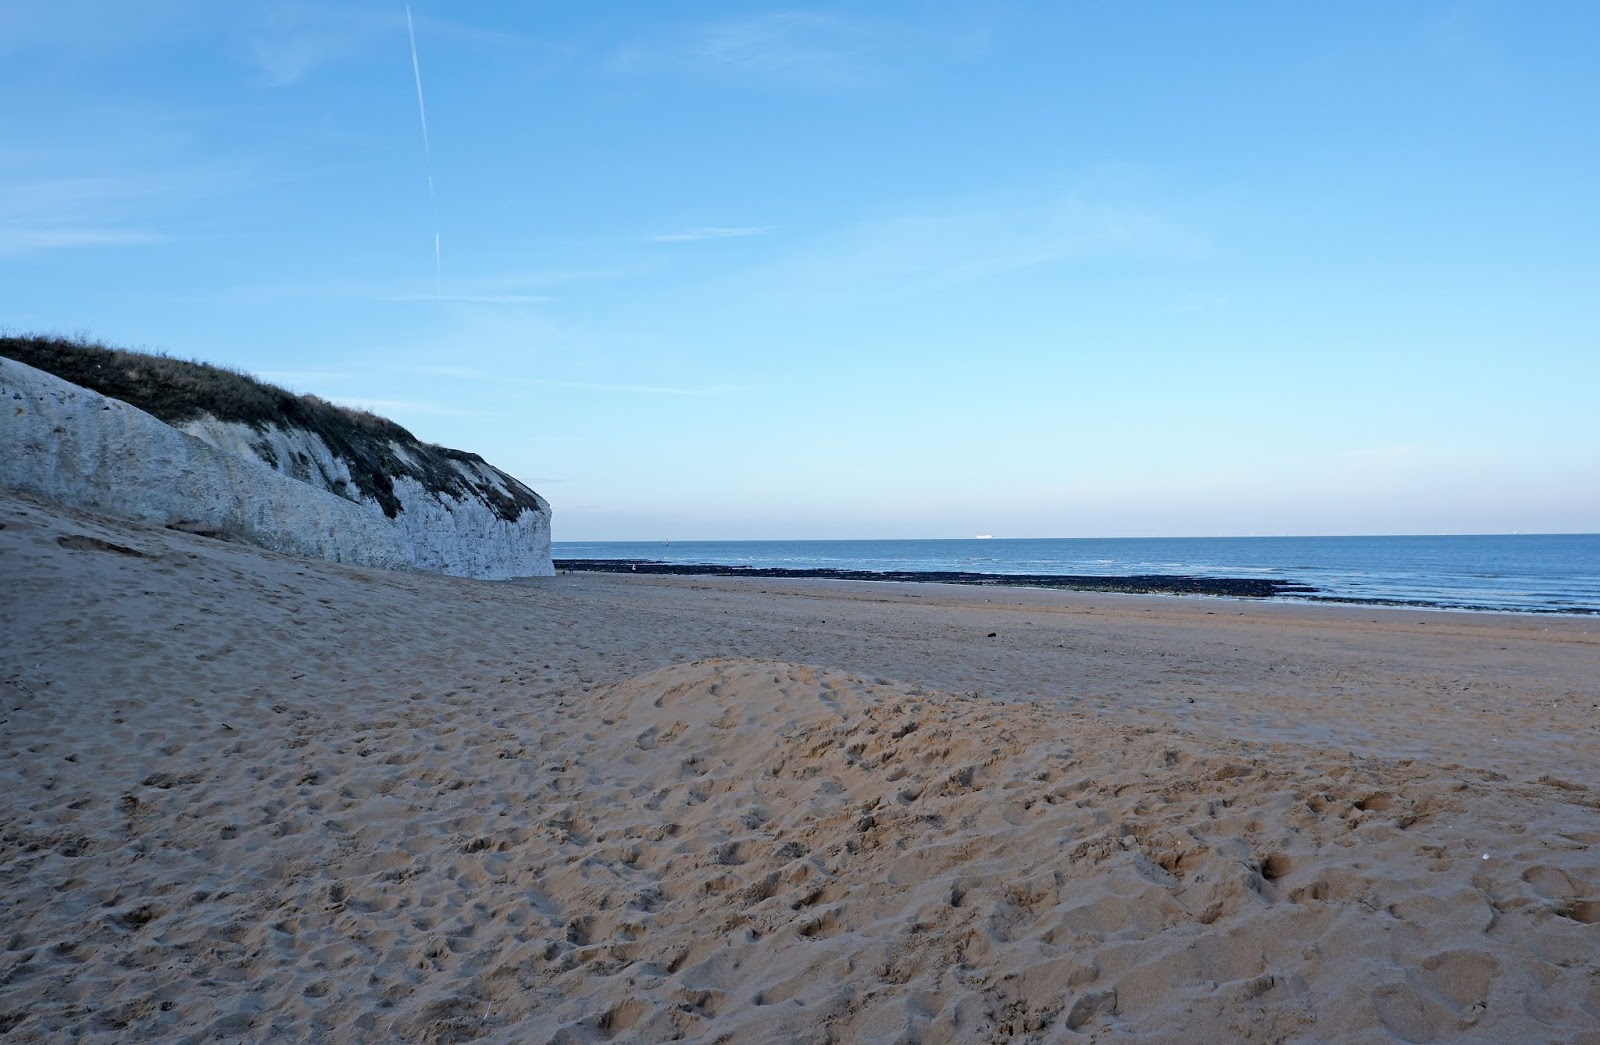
[248,796]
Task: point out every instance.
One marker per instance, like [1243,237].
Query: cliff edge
[178,443]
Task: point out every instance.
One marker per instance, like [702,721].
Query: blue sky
[730,271]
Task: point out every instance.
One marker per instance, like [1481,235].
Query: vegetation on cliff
[177,391]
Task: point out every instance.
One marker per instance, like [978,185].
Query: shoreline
[1250,588]
[1224,611]
[1429,604]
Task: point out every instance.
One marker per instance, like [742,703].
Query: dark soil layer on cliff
[1139,584]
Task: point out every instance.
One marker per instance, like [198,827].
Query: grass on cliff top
[178,390]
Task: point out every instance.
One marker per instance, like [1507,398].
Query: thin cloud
[14,241]
[787,48]
[292,41]
[68,213]
[362,291]
[478,299]
[808,48]
[480,36]
[467,373]
[970,241]
[285,62]
[294,377]
[602,386]
[63,198]
[506,282]
[703,232]
[462,372]
[78,212]
[69,27]
[387,406]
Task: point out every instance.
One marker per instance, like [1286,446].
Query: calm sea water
[1526,573]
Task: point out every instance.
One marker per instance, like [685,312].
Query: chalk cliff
[459,515]
[71,445]
[177,443]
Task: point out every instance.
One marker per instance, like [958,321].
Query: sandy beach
[253,797]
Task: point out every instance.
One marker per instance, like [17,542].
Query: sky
[890,270]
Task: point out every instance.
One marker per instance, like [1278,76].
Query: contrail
[427,151]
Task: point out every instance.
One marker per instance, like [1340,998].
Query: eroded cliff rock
[170,441]
[86,450]
[460,515]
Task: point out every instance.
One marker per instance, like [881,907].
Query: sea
[1516,573]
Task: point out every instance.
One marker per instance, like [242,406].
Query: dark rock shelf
[1142,584]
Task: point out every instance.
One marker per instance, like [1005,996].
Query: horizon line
[1135,537]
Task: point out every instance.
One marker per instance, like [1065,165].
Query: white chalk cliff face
[399,506]
[463,532]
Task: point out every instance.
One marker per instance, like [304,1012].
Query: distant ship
[984,537]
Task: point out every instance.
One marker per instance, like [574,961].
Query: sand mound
[765,849]
[726,850]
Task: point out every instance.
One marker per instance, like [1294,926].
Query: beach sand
[250,797]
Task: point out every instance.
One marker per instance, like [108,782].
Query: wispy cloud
[700,232]
[68,198]
[14,241]
[477,299]
[790,48]
[67,28]
[969,241]
[464,373]
[289,42]
[318,382]
[295,377]
[376,290]
[604,386]
[292,41]
[513,283]
[284,61]
[388,406]
[500,378]
[71,213]
[485,37]
[786,44]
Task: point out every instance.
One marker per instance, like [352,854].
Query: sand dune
[253,797]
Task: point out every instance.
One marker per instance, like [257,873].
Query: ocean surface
[1521,573]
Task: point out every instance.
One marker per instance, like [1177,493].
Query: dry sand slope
[246,796]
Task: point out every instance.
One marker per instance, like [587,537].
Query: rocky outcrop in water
[177,443]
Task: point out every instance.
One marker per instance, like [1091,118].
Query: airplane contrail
[427,151]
